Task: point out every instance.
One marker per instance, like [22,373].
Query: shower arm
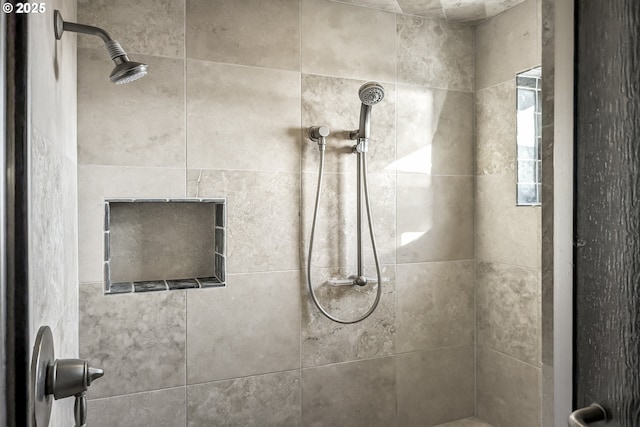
[61,26]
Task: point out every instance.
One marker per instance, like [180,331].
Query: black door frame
[14,218]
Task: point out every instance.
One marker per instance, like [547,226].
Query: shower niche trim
[164,244]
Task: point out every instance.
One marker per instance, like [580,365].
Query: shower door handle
[584,416]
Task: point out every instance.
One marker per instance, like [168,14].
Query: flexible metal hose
[361,158]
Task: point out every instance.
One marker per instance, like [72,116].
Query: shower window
[529,137]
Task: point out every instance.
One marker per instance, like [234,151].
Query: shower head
[371,93]
[125,70]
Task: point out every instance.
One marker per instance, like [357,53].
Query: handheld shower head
[371,93]
[125,70]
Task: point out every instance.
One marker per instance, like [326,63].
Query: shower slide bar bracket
[363,143]
[354,280]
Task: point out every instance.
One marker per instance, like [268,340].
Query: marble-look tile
[435,131]
[53,78]
[357,394]
[435,218]
[162,408]
[334,102]
[495,7]
[152,241]
[506,45]
[335,240]
[426,8]
[435,305]
[258,401]
[466,11]
[505,233]
[262,215]
[508,310]
[95,183]
[348,41]
[138,339]
[261,33]
[53,235]
[436,386]
[150,27]
[110,117]
[507,390]
[467,422]
[324,341]
[252,326]
[496,129]
[242,117]
[388,5]
[435,53]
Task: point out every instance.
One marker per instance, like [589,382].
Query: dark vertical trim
[3,210]
[17,215]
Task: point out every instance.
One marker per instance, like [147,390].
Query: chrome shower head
[371,93]
[125,71]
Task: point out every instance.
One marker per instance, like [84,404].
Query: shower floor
[467,422]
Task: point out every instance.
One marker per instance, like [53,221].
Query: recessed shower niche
[166,244]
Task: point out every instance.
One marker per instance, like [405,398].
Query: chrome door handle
[584,416]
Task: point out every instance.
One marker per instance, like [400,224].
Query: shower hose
[362,172]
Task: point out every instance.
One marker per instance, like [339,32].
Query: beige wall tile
[263,232]
[350,394]
[95,183]
[388,5]
[435,305]
[252,326]
[435,386]
[508,310]
[162,408]
[435,131]
[138,339]
[496,129]
[507,390]
[264,400]
[335,240]
[507,44]
[426,8]
[334,102]
[435,53]
[348,41]
[263,33]
[324,341]
[53,78]
[435,218]
[147,27]
[242,117]
[505,233]
[144,123]
[52,235]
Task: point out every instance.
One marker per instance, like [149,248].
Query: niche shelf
[164,244]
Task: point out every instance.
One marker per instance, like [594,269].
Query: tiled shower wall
[232,86]
[508,238]
[53,210]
